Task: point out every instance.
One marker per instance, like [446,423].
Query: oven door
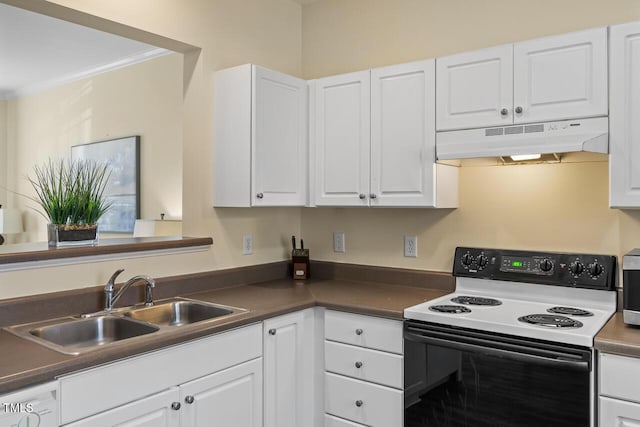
[461,377]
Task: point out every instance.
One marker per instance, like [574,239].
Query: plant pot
[61,235]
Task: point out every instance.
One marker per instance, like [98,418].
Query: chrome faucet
[111,296]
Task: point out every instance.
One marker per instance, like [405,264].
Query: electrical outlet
[411,246]
[247,244]
[338,241]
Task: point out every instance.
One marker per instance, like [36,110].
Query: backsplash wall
[561,207]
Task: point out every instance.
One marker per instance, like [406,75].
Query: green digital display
[516,264]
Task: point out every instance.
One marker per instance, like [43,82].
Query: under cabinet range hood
[566,136]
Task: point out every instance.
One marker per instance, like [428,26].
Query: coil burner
[550,321]
[468,300]
[455,309]
[570,311]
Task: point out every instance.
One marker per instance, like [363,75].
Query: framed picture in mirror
[123,188]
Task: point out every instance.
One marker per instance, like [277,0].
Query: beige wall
[560,207]
[3,151]
[348,35]
[265,32]
[143,99]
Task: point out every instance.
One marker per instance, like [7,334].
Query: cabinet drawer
[364,331]
[364,364]
[379,406]
[618,413]
[96,390]
[331,421]
[619,377]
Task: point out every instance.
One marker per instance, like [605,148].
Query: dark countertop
[619,338]
[24,363]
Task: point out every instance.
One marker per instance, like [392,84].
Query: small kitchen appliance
[631,283]
[513,345]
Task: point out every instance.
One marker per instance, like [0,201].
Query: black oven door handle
[521,353]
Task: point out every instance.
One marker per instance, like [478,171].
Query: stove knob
[482,261]
[576,268]
[595,269]
[467,259]
[546,264]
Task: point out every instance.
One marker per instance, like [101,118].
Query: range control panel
[548,268]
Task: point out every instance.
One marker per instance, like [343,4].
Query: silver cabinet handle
[519,110]
[272,331]
[175,406]
[373,195]
[189,399]
[359,331]
[359,403]
[259,195]
[504,111]
[358,365]
[362,196]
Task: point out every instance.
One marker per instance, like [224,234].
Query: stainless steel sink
[177,312]
[74,336]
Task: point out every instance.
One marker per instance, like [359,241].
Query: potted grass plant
[71,197]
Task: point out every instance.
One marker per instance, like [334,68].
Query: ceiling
[38,52]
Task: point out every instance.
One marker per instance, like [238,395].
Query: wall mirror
[64,84]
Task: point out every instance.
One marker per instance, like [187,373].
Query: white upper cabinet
[475,89]
[624,122]
[342,139]
[374,139]
[561,77]
[402,136]
[260,138]
[552,78]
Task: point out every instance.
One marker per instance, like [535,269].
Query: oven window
[447,387]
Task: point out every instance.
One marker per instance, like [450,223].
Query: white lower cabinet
[214,378]
[289,370]
[619,395]
[152,411]
[363,382]
[230,398]
[619,413]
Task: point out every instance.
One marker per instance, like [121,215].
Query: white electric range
[517,333]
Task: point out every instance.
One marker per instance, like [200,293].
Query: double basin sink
[72,335]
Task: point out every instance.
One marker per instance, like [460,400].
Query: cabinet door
[561,77]
[288,370]
[624,126]
[342,140]
[279,139]
[232,137]
[403,134]
[474,89]
[618,413]
[230,398]
[152,411]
